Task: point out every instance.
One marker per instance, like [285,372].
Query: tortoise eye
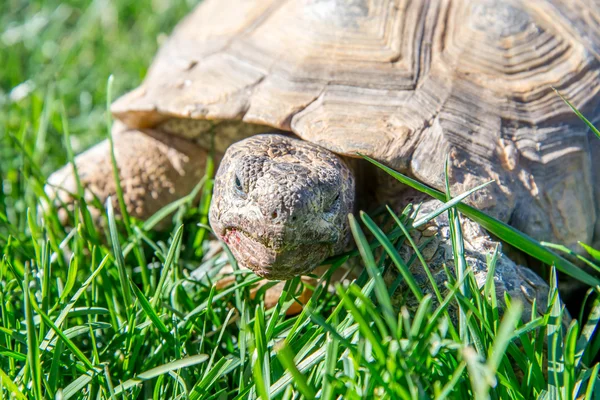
[334,203]
[238,185]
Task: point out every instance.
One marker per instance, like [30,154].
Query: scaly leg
[155,169]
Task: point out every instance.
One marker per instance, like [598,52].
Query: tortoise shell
[409,83]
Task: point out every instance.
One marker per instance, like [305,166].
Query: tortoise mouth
[274,262]
[234,235]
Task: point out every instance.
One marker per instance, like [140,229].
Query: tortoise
[289,94]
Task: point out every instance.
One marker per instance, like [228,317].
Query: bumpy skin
[281,204]
[519,282]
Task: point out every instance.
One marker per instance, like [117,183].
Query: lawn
[90,313]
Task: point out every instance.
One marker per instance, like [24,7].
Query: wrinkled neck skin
[282,204]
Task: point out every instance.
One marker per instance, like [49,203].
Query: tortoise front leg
[155,169]
[520,282]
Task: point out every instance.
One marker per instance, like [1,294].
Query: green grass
[86,313]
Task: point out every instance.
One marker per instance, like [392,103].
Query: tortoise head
[281,204]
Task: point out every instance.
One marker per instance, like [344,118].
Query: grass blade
[161,370]
[77,385]
[10,386]
[589,393]
[76,351]
[71,277]
[171,255]
[118,254]
[554,331]
[260,357]
[426,268]
[581,117]
[587,333]
[393,254]
[374,272]
[149,310]
[33,358]
[87,217]
[286,356]
[67,309]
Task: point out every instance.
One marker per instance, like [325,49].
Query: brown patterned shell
[408,83]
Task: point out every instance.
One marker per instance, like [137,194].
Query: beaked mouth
[229,234]
[252,252]
[274,262]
